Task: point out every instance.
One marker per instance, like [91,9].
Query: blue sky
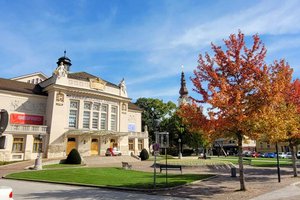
[146,42]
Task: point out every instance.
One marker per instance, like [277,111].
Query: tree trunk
[293,159]
[241,166]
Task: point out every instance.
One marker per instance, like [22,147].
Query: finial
[65,52]
[182,67]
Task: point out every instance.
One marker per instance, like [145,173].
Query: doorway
[71,144]
[94,147]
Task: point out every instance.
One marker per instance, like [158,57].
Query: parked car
[288,155]
[113,152]
[282,155]
[269,155]
[298,154]
[255,154]
[6,193]
[247,153]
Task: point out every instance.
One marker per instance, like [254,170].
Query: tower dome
[65,60]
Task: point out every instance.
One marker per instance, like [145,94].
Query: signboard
[162,138]
[26,119]
[131,127]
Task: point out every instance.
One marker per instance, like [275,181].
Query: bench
[170,167]
[126,165]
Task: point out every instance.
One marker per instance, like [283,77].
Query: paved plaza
[261,183]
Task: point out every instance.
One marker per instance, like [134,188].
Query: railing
[26,128]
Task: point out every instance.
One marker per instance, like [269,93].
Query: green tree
[155,111]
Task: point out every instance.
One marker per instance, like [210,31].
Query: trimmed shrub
[73,157]
[144,155]
[187,152]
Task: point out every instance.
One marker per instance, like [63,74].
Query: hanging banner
[26,119]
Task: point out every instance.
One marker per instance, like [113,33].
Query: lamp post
[38,160]
[179,154]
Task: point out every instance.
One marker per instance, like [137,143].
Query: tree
[293,136]
[178,130]
[155,111]
[231,83]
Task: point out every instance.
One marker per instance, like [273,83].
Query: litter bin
[233,172]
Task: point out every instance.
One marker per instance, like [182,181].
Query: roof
[22,87]
[32,74]
[86,77]
[132,106]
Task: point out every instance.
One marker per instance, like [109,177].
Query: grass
[195,162]
[53,166]
[257,162]
[161,157]
[115,177]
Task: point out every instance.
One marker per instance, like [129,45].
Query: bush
[144,155]
[187,152]
[172,151]
[73,157]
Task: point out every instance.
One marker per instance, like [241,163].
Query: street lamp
[179,154]
[38,160]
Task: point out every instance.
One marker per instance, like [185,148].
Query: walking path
[261,183]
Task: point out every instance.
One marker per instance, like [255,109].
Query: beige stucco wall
[21,104]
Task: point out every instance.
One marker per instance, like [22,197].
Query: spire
[183,90]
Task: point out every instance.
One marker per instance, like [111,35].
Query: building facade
[66,111]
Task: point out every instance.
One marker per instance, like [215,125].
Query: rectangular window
[37,145]
[2,142]
[113,118]
[73,115]
[95,123]
[140,144]
[86,114]
[104,110]
[131,144]
[86,119]
[95,118]
[18,145]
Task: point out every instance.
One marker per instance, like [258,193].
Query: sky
[143,41]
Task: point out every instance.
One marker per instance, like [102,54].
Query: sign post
[162,138]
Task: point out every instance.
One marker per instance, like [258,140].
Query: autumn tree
[231,84]
[293,136]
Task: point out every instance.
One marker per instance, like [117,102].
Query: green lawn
[258,162]
[115,177]
[53,166]
[195,162]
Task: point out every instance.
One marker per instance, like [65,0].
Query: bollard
[233,172]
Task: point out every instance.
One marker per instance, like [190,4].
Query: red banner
[26,119]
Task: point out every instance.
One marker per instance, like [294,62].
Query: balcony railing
[25,128]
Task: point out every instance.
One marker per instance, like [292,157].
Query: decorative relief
[124,107]
[60,99]
[131,118]
[97,84]
[27,107]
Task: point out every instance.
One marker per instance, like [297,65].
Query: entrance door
[94,147]
[113,143]
[71,145]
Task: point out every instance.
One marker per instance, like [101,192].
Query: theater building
[65,111]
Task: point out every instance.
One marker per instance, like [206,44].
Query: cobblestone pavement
[259,181]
